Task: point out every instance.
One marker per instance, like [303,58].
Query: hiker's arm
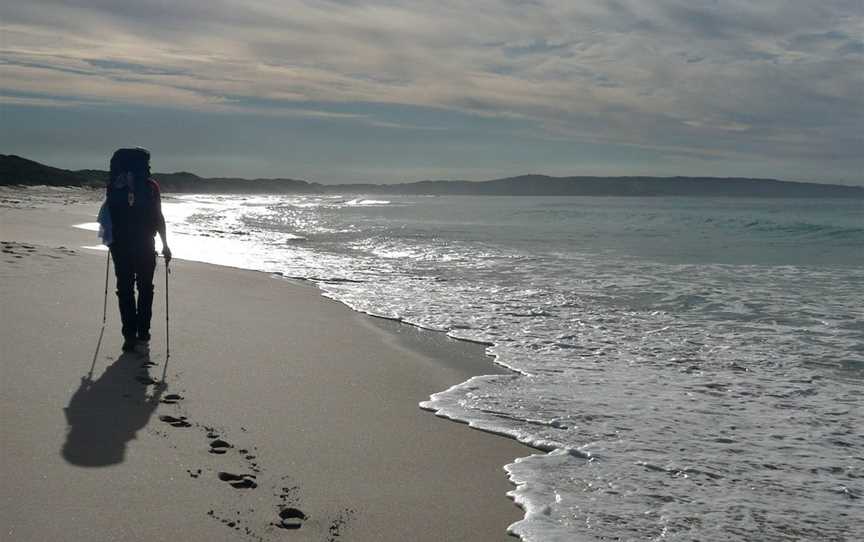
[160,224]
[160,227]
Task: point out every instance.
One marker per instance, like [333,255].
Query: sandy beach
[277,400]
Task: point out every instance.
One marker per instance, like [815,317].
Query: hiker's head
[134,161]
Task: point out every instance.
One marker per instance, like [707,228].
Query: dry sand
[317,406]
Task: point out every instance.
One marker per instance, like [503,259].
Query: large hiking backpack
[131,195]
[129,167]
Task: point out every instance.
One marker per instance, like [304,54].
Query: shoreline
[407,361]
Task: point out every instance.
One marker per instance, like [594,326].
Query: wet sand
[286,416]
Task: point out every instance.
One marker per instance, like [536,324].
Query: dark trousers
[134,264]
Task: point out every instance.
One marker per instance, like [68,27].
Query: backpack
[131,195]
[129,168]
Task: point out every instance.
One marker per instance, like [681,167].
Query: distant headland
[15,170]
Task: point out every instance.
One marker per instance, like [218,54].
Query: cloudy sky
[397,90]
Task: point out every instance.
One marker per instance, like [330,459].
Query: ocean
[687,368]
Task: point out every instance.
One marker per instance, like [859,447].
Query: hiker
[134,217]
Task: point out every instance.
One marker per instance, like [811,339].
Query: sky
[404,90]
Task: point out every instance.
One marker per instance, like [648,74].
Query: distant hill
[17,170]
[184,181]
[542,185]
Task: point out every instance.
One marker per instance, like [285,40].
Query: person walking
[134,205]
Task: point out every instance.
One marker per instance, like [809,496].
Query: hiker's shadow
[103,415]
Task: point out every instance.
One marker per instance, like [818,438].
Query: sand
[277,401]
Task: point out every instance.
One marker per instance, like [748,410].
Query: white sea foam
[367,202]
[688,375]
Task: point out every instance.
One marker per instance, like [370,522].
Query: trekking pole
[167,334]
[104,316]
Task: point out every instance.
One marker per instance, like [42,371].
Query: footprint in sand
[338,525]
[290,518]
[175,422]
[239,481]
[219,446]
[146,380]
[172,399]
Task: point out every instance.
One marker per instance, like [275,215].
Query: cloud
[776,78]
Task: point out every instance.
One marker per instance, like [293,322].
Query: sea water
[687,368]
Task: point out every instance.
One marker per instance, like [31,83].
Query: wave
[791,228]
[612,356]
[357,202]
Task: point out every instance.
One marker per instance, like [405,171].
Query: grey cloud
[135,67]
[827,43]
[852,47]
[774,77]
[712,21]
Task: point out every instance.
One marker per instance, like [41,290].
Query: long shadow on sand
[105,414]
